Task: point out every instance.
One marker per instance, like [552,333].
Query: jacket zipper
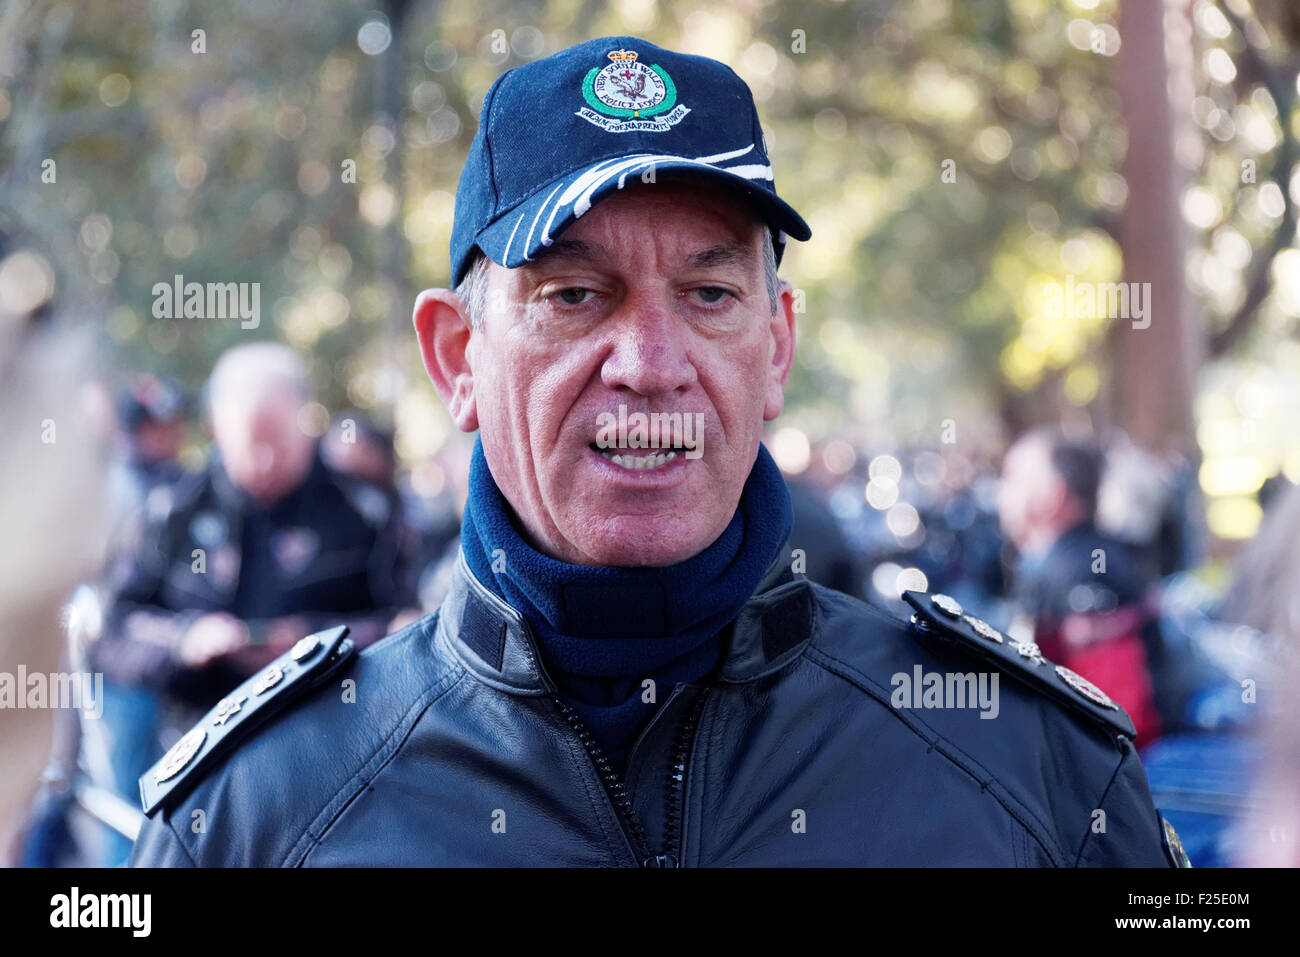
[677,781]
[622,801]
[612,783]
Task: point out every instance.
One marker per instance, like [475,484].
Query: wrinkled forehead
[269,400]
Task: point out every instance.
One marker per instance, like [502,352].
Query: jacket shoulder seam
[193,861]
[987,780]
[1087,834]
[370,770]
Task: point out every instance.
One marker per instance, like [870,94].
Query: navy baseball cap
[558,135]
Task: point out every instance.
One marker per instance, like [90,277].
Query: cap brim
[522,233]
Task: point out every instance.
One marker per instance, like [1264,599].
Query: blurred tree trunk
[1154,368]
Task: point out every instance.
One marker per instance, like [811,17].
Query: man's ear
[782,331]
[443,330]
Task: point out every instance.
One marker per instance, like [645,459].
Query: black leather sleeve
[158,845]
[1128,835]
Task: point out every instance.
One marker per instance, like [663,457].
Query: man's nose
[649,353]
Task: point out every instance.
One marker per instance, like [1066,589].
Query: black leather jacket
[445,744]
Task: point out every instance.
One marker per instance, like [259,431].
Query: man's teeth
[638,462]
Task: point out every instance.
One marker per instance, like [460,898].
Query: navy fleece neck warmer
[602,631]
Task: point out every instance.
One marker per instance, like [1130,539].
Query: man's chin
[643,542]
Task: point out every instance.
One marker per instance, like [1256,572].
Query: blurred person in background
[151,415]
[1153,504]
[357,444]
[435,497]
[819,544]
[1079,594]
[262,547]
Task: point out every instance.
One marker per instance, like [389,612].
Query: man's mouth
[637,463]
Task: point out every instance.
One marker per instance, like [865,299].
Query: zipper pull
[661,860]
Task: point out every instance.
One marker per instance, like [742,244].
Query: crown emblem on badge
[628,95]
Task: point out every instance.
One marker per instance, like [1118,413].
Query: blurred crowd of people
[213,573]
[1076,543]
[1094,549]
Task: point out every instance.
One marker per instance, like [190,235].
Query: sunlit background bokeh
[924,300]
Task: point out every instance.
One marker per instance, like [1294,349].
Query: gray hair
[473,288]
[255,370]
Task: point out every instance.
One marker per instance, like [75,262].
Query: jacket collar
[493,640]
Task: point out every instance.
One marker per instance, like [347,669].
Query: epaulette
[944,617]
[305,666]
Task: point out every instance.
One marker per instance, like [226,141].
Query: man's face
[263,450]
[1029,493]
[159,441]
[655,300]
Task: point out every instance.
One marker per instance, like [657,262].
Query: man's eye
[573,295]
[712,295]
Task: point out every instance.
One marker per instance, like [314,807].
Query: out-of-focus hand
[212,636]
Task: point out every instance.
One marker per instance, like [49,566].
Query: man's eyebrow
[721,255]
[578,250]
[568,250]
